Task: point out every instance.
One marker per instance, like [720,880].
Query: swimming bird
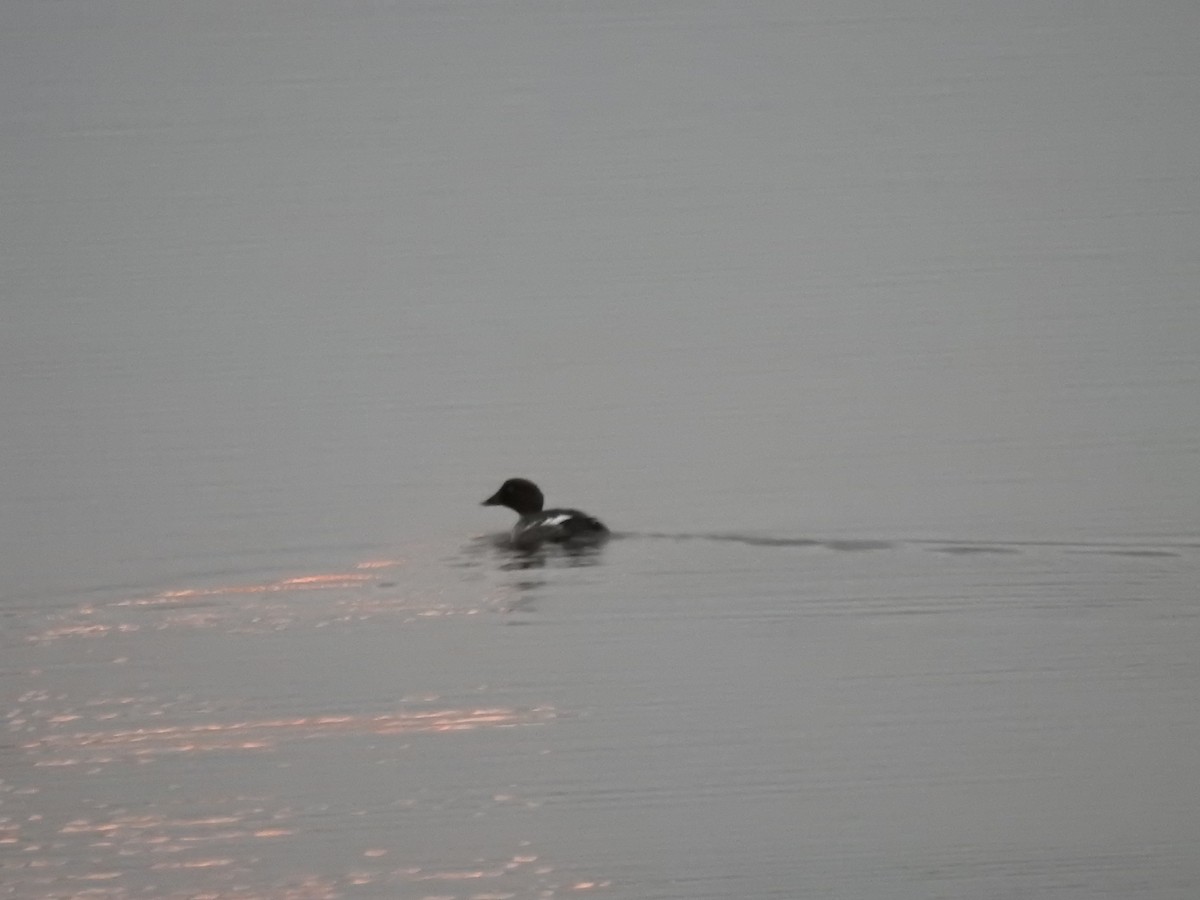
[537,526]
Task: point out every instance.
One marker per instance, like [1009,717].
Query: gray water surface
[871,329]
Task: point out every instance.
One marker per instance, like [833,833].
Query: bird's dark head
[518,494]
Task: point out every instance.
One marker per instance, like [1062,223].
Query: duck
[537,526]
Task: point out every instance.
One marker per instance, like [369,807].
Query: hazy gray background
[289,287]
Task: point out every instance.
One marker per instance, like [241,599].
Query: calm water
[872,328]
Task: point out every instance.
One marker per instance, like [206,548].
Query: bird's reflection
[531,568]
[511,558]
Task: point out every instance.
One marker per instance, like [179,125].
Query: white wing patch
[556,520]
